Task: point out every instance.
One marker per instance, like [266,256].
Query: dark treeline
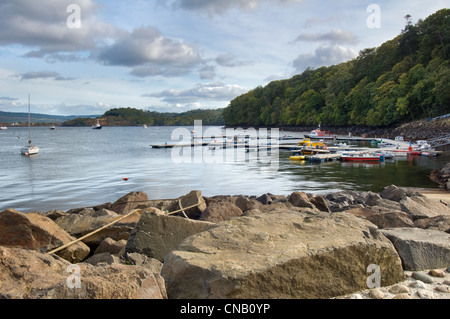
[131,117]
[405,79]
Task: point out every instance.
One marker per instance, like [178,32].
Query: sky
[84,57]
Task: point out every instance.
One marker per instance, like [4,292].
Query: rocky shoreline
[345,245]
[411,131]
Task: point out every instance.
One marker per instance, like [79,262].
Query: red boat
[361,158]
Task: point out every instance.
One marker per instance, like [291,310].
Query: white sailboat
[29,149]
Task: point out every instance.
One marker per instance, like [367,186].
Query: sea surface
[82,167]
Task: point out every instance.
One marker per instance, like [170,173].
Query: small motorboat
[361,157]
[52,127]
[318,133]
[97,126]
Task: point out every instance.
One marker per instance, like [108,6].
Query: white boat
[3,128]
[97,126]
[29,149]
[422,145]
[52,127]
[144,126]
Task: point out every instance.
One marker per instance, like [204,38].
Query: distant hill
[17,117]
[133,117]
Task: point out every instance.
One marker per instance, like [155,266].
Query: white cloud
[150,54]
[216,91]
[323,56]
[333,36]
[43,25]
[43,75]
[221,6]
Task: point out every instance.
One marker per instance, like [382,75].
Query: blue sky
[177,55]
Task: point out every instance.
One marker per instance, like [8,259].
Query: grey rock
[105,257]
[300,199]
[420,249]
[220,211]
[280,254]
[422,277]
[421,207]
[156,235]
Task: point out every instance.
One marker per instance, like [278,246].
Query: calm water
[79,167]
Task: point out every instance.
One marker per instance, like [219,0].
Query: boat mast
[29,121]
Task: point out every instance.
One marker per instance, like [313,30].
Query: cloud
[43,75]
[7,99]
[229,60]
[150,53]
[221,6]
[334,36]
[323,56]
[208,72]
[43,25]
[216,91]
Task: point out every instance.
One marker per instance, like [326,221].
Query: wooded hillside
[405,79]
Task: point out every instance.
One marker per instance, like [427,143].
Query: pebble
[425,294]
[402,296]
[448,269]
[446,282]
[422,277]
[436,273]
[442,288]
[356,296]
[399,289]
[376,293]
[418,284]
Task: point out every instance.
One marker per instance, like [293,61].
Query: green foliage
[132,117]
[404,79]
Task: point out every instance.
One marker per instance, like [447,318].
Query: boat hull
[360,159]
[27,151]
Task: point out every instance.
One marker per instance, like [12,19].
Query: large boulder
[442,177]
[28,274]
[245,203]
[220,211]
[37,232]
[441,223]
[420,249]
[393,193]
[300,199]
[156,235]
[128,202]
[422,207]
[382,218]
[79,225]
[280,254]
[191,199]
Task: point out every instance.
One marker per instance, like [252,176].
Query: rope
[92,233]
[116,221]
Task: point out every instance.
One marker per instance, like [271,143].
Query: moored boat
[318,133]
[364,157]
[29,149]
[297,158]
[97,126]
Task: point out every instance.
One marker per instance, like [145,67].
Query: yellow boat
[298,158]
[307,143]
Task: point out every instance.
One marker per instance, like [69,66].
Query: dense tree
[131,117]
[405,78]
